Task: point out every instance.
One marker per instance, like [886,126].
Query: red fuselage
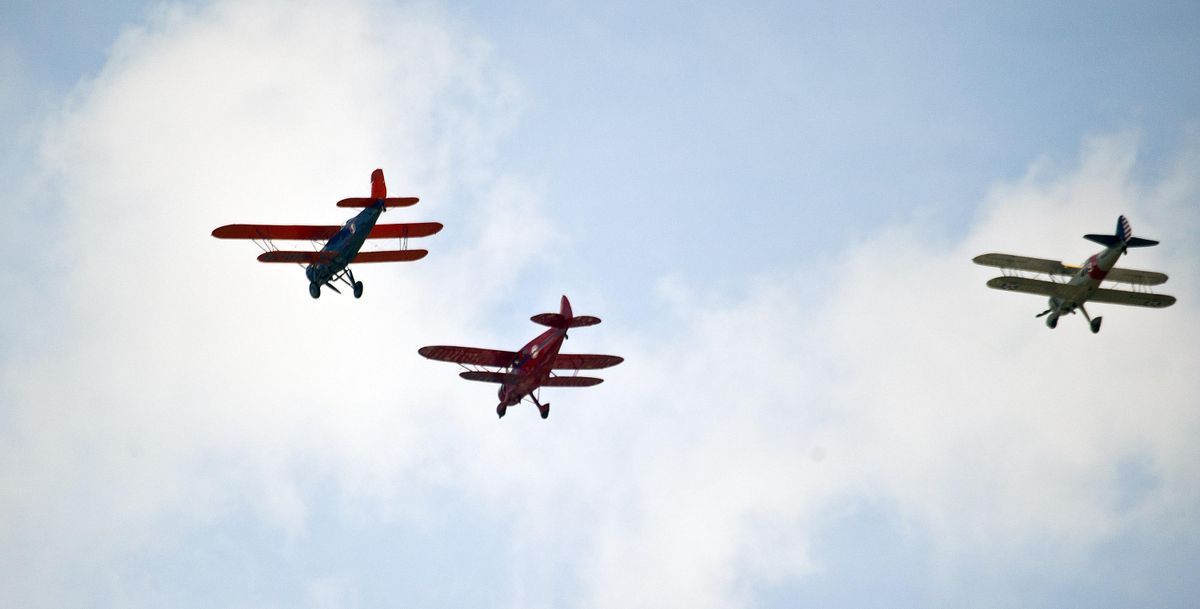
[532,366]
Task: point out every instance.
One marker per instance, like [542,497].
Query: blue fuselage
[345,244]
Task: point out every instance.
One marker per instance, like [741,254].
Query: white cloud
[167,382]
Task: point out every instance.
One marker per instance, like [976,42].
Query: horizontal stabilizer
[1140,242]
[388,203]
[390,256]
[556,320]
[1105,240]
[571,381]
[296,257]
[489,377]
[405,231]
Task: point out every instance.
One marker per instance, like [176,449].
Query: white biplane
[1084,281]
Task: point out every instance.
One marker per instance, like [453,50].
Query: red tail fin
[378,186]
[564,309]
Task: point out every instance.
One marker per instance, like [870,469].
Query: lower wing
[1133,299]
[489,377]
[321,257]
[1029,286]
[571,381]
[390,256]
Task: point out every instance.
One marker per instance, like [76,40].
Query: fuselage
[532,366]
[345,244]
[1087,280]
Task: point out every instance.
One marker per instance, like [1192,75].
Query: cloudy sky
[772,206]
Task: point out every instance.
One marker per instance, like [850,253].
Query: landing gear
[358,289]
[542,408]
[1093,323]
[1052,322]
[314,290]
[500,410]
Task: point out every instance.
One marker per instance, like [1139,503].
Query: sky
[773,208]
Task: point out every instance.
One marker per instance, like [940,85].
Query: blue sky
[773,208]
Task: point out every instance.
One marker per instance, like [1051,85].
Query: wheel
[314,290]
[1052,322]
[1096,325]
[545,410]
[500,410]
[358,289]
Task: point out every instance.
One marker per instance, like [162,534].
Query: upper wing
[404,231]
[297,257]
[1022,263]
[390,256]
[1028,286]
[1135,299]
[470,355]
[275,231]
[585,362]
[1136,277]
[1054,267]
[571,381]
[388,202]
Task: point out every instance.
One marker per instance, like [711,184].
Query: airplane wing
[1022,263]
[276,231]
[489,377]
[1136,277]
[297,257]
[585,362]
[571,381]
[1054,267]
[469,355]
[1135,299]
[1028,286]
[390,256]
[404,231]
[387,203]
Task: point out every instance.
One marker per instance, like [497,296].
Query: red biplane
[342,243]
[522,373]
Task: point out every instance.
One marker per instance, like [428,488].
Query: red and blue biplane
[523,373]
[342,243]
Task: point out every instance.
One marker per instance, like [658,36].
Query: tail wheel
[500,410]
[358,289]
[314,290]
[1096,325]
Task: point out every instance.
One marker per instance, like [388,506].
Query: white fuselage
[1086,281]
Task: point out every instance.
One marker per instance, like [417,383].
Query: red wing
[470,355]
[585,362]
[489,377]
[571,381]
[297,257]
[275,231]
[390,256]
[387,203]
[404,231]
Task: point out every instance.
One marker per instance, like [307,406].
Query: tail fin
[378,186]
[564,318]
[1122,236]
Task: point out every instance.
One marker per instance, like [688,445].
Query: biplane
[1082,283]
[523,373]
[331,262]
